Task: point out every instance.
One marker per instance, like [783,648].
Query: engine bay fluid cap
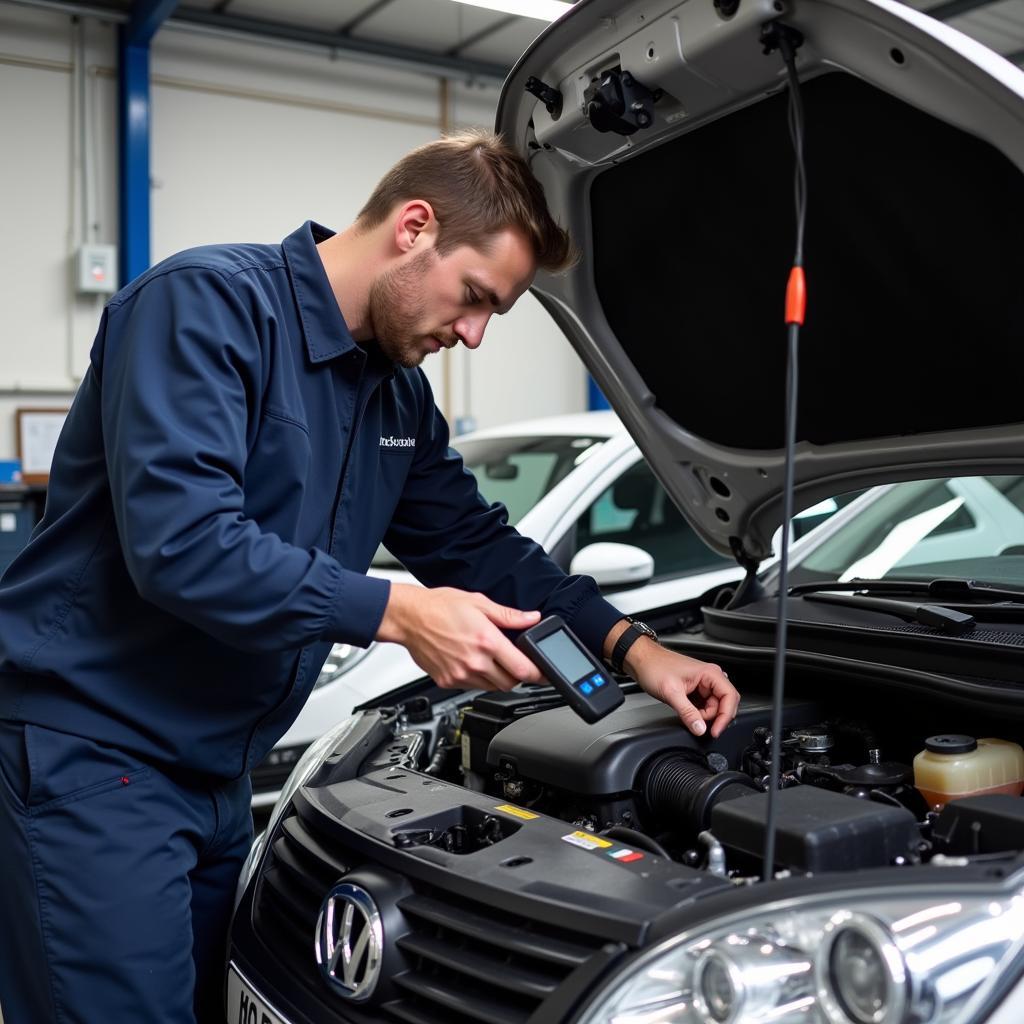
[951,743]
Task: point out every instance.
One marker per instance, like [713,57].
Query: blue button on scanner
[586,688]
[598,681]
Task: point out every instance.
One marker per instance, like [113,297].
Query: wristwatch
[630,635]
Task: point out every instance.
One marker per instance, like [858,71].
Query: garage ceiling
[462,39]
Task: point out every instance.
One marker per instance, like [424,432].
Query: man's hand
[698,692]
[456,637]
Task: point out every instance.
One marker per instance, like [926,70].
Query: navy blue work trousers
[116,884]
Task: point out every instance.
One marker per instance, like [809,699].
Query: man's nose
[470,329]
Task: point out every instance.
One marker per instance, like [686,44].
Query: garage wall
[248,142]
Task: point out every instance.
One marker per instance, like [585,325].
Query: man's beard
[396,303]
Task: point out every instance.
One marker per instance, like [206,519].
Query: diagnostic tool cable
[787,40]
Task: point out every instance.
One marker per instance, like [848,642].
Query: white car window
[516,471]
[944,526]
[636,510]
[519,471]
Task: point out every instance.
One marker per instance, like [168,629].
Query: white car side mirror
[776,551]
[614,565]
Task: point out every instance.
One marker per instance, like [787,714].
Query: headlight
[862,974]
[304,768]
[866,957]
[342,658]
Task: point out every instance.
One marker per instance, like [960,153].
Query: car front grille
[472,967]
[469,965]
[298,875]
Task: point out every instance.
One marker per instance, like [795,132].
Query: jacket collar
[324,328]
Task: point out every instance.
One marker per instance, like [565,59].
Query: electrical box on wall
[96,269]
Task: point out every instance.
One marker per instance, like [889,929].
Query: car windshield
[517,471]
[960,527]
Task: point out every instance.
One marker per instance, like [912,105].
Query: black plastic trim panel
[926,651]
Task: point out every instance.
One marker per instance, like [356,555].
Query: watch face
[644,628]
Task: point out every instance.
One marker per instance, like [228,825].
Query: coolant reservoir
[951,767]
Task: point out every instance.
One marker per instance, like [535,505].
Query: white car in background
[579,486]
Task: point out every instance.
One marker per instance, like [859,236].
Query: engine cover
[818,830]
[557,748]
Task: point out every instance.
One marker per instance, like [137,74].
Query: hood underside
[911,360]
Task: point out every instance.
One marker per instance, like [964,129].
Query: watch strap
[629,636]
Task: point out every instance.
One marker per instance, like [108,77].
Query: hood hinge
[777,36]
[750,588]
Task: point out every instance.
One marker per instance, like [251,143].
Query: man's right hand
[455,636]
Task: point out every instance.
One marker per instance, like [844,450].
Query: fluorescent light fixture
[542,10]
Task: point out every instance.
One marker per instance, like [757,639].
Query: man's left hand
[699,692]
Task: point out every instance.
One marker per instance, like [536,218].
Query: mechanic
[251,426]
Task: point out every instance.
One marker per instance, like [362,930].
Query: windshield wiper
[941,589]
[949,620]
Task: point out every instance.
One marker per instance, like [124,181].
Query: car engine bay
[638,780]
[516,854]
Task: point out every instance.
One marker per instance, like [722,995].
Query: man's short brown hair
[478,187]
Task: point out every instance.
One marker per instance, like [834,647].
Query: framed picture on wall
[37,431]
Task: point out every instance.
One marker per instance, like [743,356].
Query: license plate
[246,1005]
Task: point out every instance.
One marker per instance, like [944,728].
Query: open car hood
[912,357]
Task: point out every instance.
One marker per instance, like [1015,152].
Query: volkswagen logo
[350,941]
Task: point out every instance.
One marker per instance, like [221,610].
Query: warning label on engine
[517,812]
[587,841]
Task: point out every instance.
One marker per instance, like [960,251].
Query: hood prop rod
[777,36]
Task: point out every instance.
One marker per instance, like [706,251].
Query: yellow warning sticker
[587,841]
[517,812]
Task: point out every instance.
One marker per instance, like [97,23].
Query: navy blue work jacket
[230,463]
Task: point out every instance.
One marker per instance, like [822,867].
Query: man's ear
[415,226]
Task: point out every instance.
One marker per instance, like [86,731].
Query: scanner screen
[565,655]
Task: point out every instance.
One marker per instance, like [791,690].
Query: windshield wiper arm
[942,589]
[947,619]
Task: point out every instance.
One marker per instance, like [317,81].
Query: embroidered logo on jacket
[397,442]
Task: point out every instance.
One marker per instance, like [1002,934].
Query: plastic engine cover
[818,830]
[557,748]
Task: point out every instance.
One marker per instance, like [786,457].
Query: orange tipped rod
[796,297]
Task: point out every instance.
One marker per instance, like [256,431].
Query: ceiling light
[542,10]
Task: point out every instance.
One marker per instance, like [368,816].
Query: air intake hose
[680,789]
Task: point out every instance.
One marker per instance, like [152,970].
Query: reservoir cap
[951,744]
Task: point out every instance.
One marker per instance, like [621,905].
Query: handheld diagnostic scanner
[577,675]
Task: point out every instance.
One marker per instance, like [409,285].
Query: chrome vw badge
[350,941]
